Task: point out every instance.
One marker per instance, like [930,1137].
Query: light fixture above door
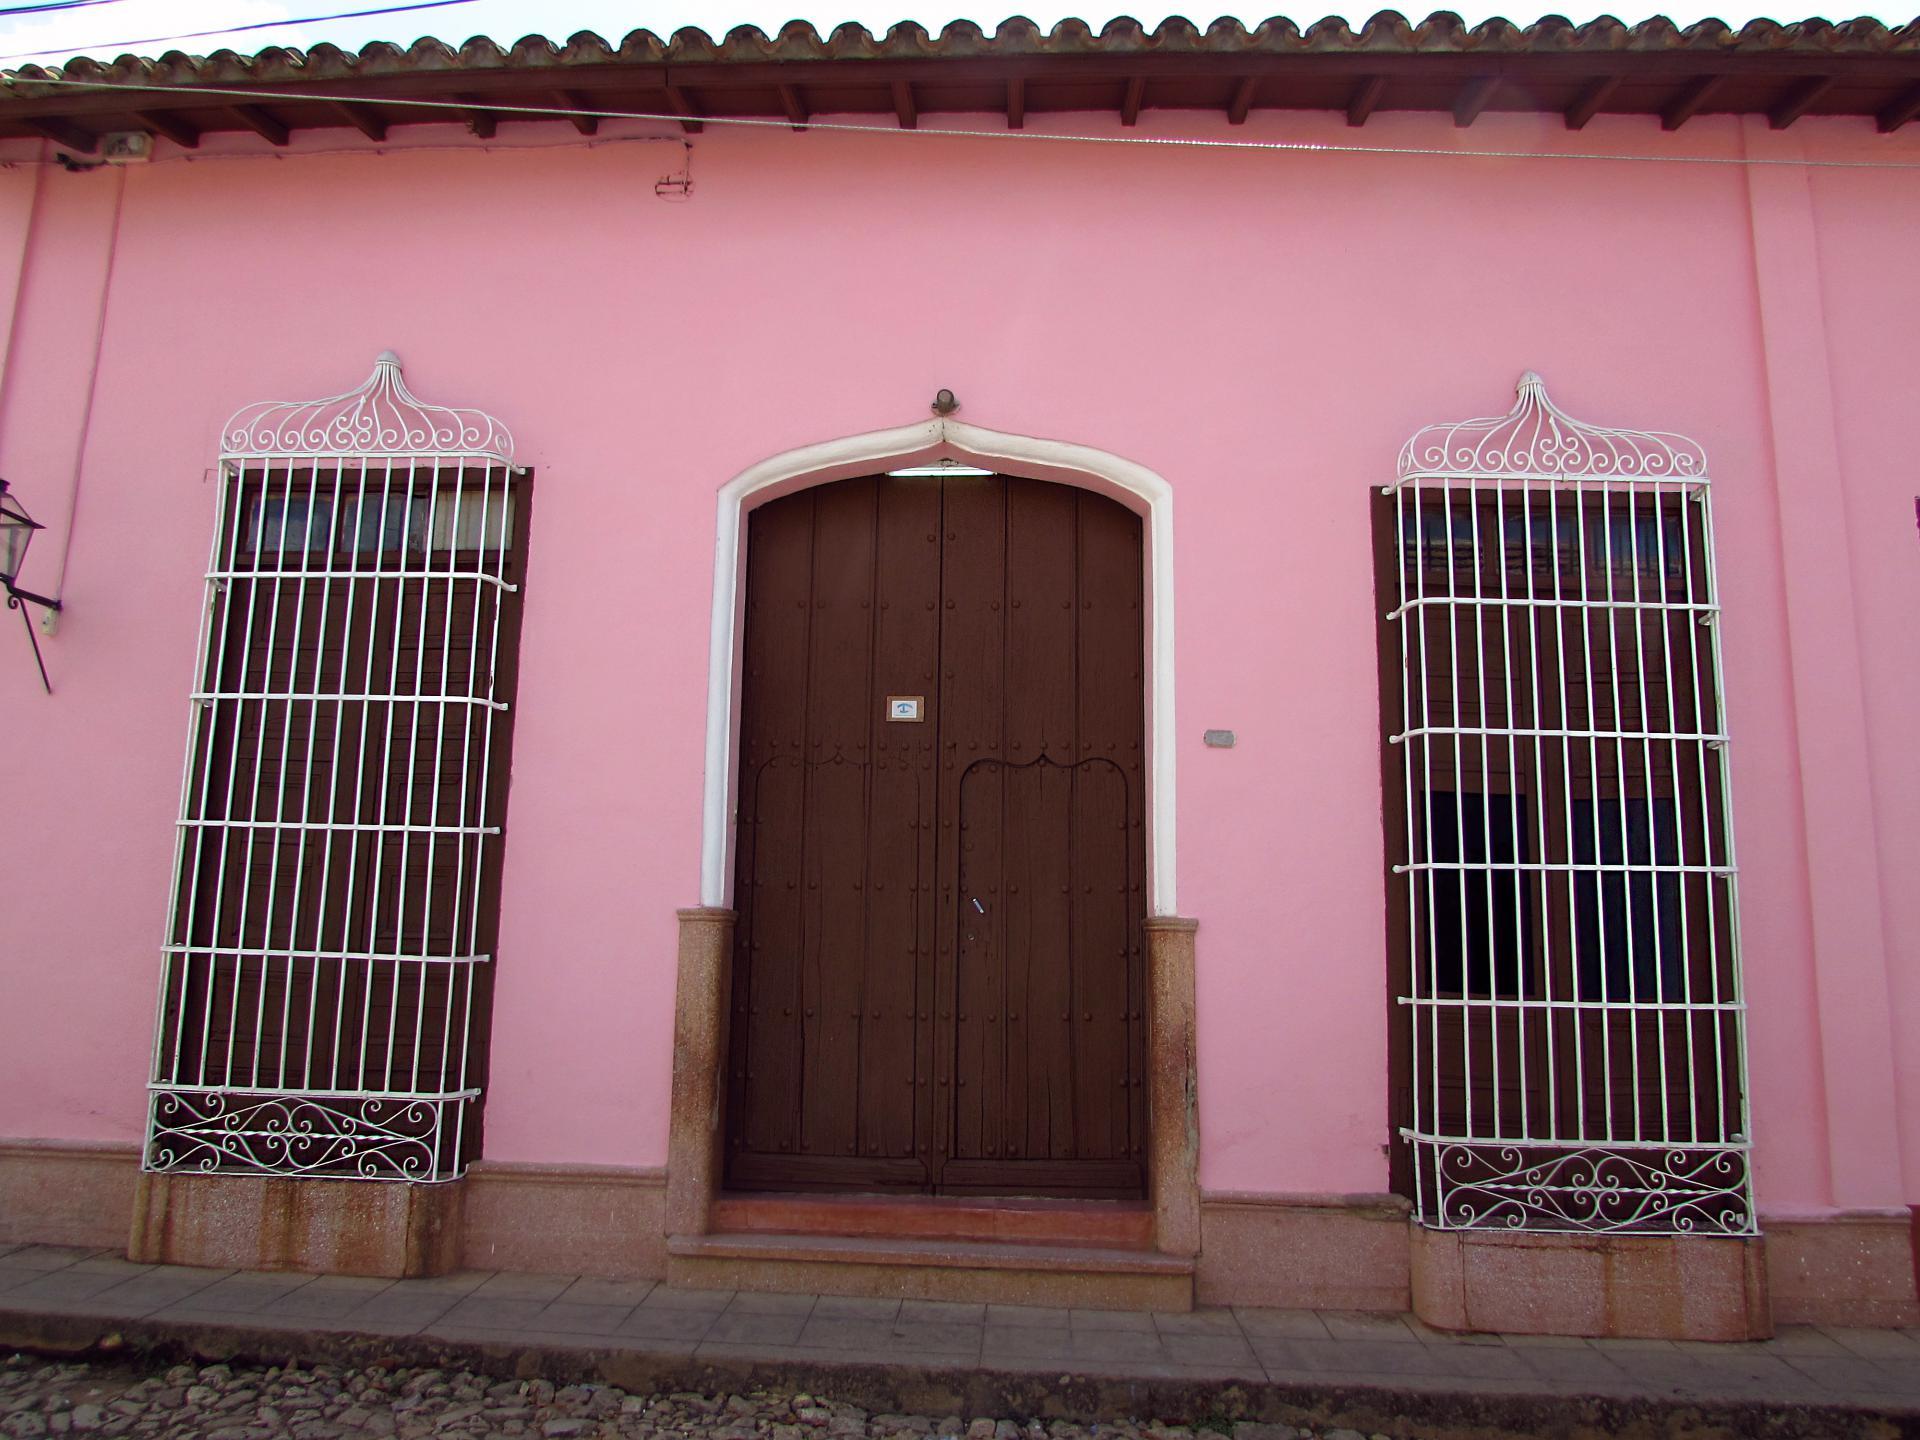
[939,467]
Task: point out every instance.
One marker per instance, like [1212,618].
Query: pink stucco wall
[1261,329]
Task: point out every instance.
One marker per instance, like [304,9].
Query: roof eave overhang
[1859,68]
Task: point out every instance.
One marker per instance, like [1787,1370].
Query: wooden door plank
[1040,726]
[839,725]
[972,659]
[1109,833]
[896,1070]
[1023,858]
[766,1059]
[980,1058]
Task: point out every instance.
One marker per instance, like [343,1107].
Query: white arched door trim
[1135,486]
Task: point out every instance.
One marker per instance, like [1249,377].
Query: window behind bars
[327,971]
[1569,1028]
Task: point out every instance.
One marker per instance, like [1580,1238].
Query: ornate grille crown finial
[382,418]
[1537,440]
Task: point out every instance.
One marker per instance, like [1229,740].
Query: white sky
[109,29]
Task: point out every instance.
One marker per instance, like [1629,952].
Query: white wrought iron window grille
[1569,1048]
[326,977]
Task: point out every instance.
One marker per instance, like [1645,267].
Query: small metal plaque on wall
[904,707]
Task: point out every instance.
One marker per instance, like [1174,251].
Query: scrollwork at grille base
[327,1137]
[1664,1190]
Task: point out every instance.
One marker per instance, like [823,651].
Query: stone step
[1082,1276]
[1108,1224]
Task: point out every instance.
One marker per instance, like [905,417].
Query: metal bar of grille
[1567,913]
[284,953]
[328,932]
[277,823]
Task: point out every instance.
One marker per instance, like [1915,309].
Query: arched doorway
[939,968]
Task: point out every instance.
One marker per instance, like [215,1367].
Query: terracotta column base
[1853,1267]
[1667,1287]
[325,1227]
[696,1124]
[66,1192]
[1173,1112]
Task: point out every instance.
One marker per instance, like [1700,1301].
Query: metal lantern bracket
[14,599]
[15,522]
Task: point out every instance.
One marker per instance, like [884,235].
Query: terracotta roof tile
[1869,68]
[1387,33]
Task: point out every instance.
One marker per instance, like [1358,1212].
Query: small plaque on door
[904,707]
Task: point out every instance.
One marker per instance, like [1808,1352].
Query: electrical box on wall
[126,147]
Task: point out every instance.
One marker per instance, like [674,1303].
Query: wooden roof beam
[485,124]
[796,107]
[690,118]
[1575,87]
[1688,103]
[1905,106]
[64,133]
[1867,84]
[903,106]
[574,101]
[1587,104]
[1130,102]
[1366,99]
[1016,103]
[1242,101]
[262,123]
[363,118]
[1798,100]
[1473,98]
[170,127]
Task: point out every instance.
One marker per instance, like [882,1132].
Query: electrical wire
[47,5]
[1320,147]
[122,45]
[374,152]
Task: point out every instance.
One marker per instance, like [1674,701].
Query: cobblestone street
[222,1402]
[626,1357]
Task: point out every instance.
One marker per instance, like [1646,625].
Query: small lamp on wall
[16,533]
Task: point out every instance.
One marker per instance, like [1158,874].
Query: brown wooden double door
[939,966]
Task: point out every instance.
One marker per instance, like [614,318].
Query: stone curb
[1485,1410]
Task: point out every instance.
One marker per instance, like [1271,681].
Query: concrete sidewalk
[1372,1372]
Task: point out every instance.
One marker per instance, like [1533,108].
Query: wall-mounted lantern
[16,533]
